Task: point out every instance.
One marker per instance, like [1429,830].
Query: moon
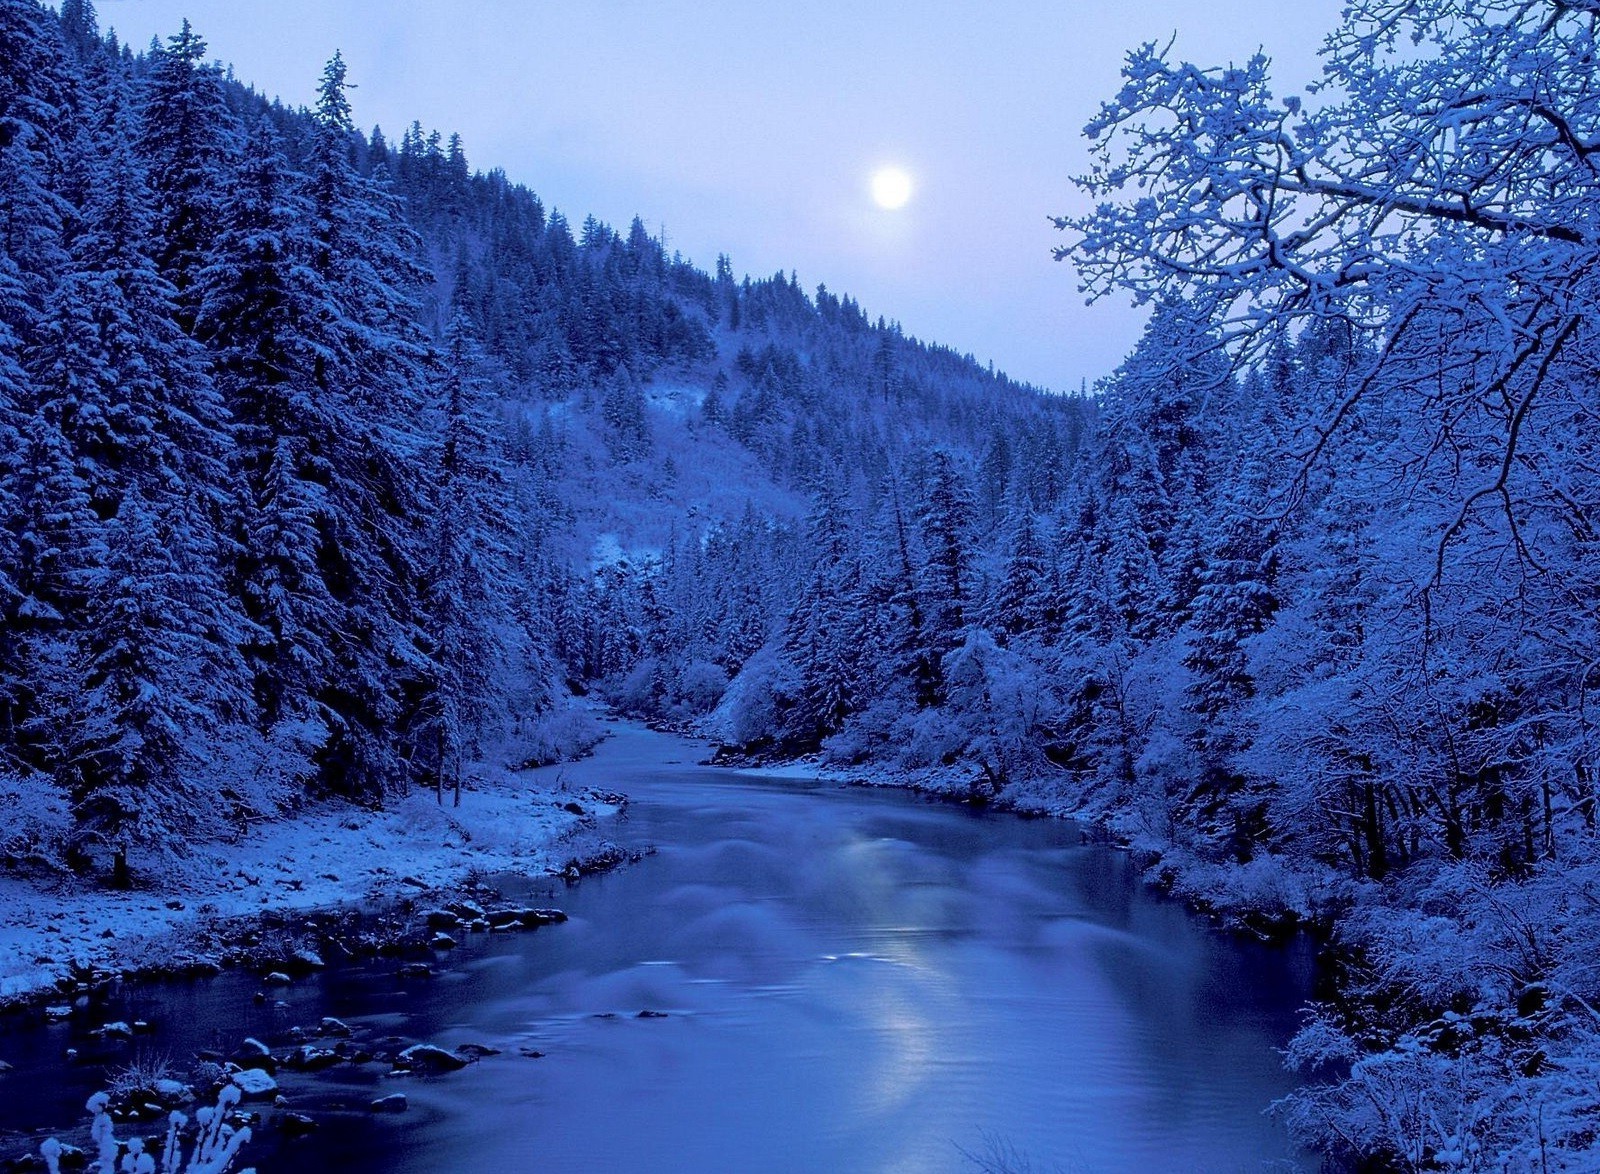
[891,188]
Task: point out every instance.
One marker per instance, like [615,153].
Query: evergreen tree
[140,672]
[819,635]
[188,140]
[1020,596]
[260,310]
[80,27]
[469,586]
[944,518]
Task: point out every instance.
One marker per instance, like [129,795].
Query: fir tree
[188,140]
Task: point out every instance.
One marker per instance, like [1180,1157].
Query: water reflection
[851,982]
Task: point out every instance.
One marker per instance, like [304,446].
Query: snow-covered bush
[698,688]
[37,821]
[997,700]
[560,734]
[214,1147]
[753,705]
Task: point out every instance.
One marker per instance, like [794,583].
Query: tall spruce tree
[189,138]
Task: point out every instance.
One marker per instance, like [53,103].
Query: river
[850,980]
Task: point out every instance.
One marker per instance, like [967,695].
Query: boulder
[253,1082]
[429,1058]
[255,1054]
[295,1124]
[395,1102]
[310,1059]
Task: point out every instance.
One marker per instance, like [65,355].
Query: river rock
[476,1051]
[442,941]
[395,1102]
[254,1054]
[253,1082]
[429,1058]
[416,970]
[442,919]
[310,1059]
[295,1124]
[117,1030]
[306,959]
[277,978]
[335,1027]
[199,966]
[524,918]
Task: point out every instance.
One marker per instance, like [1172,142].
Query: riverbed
[838,979]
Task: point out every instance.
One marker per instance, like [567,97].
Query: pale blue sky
[751,128]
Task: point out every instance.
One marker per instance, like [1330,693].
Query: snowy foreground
[337,855]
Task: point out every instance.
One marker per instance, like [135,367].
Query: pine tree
[818,636]
[189,137]
[57,549]
[139,670]
[469,586]
[627,424]
[160,422]
[944,519]
[80,28]
[260,313]
[1020,596]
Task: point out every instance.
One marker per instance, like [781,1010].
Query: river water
[851,980]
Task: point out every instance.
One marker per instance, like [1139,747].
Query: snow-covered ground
[328,856]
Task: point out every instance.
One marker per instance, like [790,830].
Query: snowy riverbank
[335,855]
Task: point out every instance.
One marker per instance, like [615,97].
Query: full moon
[891,188]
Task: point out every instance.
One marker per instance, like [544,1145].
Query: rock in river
[428,1058]
[253,1082]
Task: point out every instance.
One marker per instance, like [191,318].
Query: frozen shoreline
[334,855]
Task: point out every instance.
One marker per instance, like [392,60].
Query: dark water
[852,980]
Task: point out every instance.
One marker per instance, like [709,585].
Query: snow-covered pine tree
[944,519]
[188,140]
[468,587]
[819,633]
[138,673]
[259,312]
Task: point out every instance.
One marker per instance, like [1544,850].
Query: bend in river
[851,980]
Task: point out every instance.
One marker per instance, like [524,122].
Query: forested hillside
[329,465]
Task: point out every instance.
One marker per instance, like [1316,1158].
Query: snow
[326,856]
[253,1082]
